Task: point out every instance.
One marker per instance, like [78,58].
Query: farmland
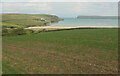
[15,24]
[78,51]
[27,20]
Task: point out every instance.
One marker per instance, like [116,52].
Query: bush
[5,32]
[18,31]
[29,31]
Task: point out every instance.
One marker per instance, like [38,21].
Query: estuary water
[74,22]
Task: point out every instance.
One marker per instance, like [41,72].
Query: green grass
[26,20]
[80,51]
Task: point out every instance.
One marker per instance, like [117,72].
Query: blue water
[86,22]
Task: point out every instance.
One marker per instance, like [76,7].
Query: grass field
[80,51]
[27,20]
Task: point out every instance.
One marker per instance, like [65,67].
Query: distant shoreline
[97,17]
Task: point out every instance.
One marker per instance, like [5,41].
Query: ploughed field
[78,51]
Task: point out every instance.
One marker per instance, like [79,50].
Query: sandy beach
[60,27]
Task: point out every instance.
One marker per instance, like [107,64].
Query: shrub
[29,31]
[5,32]
[18,31]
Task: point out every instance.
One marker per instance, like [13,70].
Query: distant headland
[97,17]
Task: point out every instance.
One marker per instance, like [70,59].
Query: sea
[76,22]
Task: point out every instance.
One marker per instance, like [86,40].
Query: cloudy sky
[61,9]
[60,0]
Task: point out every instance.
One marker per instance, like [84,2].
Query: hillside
[27,20]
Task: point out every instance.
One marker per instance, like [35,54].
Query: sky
[60,0]
[61,9]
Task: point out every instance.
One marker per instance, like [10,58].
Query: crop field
[78,51]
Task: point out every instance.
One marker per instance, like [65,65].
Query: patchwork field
[78,51]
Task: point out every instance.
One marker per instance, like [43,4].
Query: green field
[27,20]
[78,51]
[15,24]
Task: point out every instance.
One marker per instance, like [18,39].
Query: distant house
[49,22]
[42,19]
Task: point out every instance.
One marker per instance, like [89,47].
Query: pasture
[78,51]
[27,20]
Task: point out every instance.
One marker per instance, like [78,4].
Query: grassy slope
[73,51]
[25,20]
